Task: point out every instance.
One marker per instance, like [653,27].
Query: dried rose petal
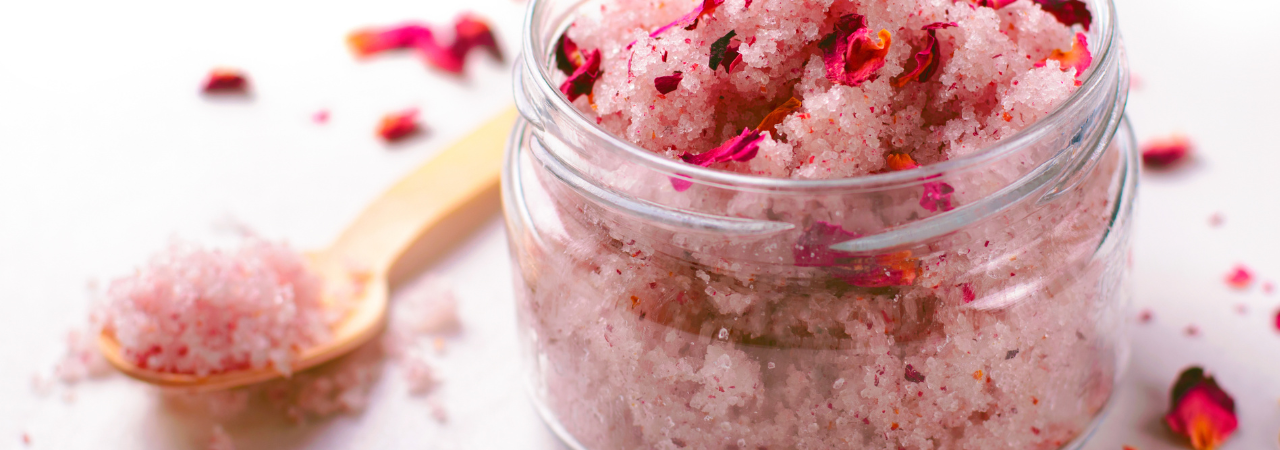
[900,161]
[321,116]
[970,296]
[937,196]
[928,58]
[1069,12]
[740,148]
[680,183]
[849,53]
[568,57]
[370,41]
[399,125]
[584,77]
[914,375]
[724,52]
[1277,321]
[690,21]
[1165,152]
[225,81]
[1200,410]
[666,84]
[813,249]
[1078,57]
[1240,277]
[470,32]
[775,117]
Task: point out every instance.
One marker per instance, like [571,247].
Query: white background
[107,151]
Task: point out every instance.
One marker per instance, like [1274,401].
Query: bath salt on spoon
[279,313]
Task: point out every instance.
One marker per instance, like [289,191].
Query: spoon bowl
[437,199]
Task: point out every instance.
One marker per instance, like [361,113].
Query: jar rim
[1104,22]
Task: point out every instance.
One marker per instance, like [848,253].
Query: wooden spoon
[441,201]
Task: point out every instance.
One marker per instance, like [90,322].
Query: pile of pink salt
[204,311]
[931,79]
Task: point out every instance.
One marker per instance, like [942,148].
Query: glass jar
[724,310]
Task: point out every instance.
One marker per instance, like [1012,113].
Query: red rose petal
[470,32]
[669,83]
[370,41]
[1078,57]
[775,117]
[740,148]
[690,20]
[849,53]
[584,77]
[1240,277]
[568,57]
[1069,12]
[967,291]
[937,196]
[399,125]
[1200,410]
[928,58]
[1277,321]
[225,81]
[1165,152]
[724,53]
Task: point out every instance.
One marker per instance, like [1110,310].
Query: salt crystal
[220,440]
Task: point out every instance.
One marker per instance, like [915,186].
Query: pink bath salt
[204,311]
[226,80]
[419,375]
[850,54]
[928,58]
[1166,152]
[668,84]
[399,125]
[813,249]
[220,440]
[1240,277]
[82,360]
[1077,58]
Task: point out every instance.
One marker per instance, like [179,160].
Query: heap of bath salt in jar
[998,335]
[203,311]
[817,89]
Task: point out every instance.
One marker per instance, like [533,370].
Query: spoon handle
[442,193]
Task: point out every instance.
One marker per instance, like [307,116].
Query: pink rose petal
[928,58]
[740,148]
[850,54]
[937,196]
[1078,57]
[1240,277]
[1200,410]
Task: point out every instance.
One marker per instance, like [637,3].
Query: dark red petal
[775,117]
[1165,152]
[1200,410]
[568,57]
[399,125]
[225,81]
[473,32]
[666,84]
[584,78]
[928,58]
[914,375]
[1069,12]
[740,148]
[370,41]
[937,196]
[850,55]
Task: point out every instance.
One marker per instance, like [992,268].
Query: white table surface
[107,151]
